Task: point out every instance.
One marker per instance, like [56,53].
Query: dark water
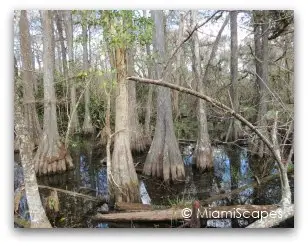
[233,168]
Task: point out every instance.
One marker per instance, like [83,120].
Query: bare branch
[215,103]
[214,49]
[185,40]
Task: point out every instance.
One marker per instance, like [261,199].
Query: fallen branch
[215,103]
[71,193]
[222,212]
[73,112]
[187,141]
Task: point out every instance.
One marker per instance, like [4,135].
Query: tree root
[204,158]
[52,159]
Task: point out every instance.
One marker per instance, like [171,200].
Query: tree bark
[148,112]
[124,184]
[15,68]
[58,56]
[203,152]
[38,218]
[213,51]
[261,57]
[108,143]
[164,158]
[87,127]
[58,16]
[286,195]
[178,67]
[51,156]
[27,75]
[136,136]
[75,126]
[59,24]
[234,74]
[147,123]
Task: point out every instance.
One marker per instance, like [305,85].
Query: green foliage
[82,75]
[62,219]
[146,25]
[125,27]
[179,201]
[186,128]
[235,174]
[290,166]
[97,111]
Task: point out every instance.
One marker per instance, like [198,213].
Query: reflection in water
[145,198]
[233,169]
[102,185]
[84,172]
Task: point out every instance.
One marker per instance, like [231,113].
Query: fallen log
[123,206]
[126,206]
[222,212]
[283,213]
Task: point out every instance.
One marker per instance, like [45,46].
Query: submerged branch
[71,193]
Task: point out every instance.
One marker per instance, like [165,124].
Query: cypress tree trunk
[261,54]
[27,75]
[136,136]
[164,158]
[87,127]
[124,178]
[179,60]
[38,218]
[124,185]
[203,152]
[234,74]
[59,24]
[148,112]
[51,156]
[147,124]
[75,126]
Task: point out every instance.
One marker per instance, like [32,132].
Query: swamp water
[233,168]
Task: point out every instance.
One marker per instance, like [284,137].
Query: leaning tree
[51,156]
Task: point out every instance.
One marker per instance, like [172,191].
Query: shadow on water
[233,168]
